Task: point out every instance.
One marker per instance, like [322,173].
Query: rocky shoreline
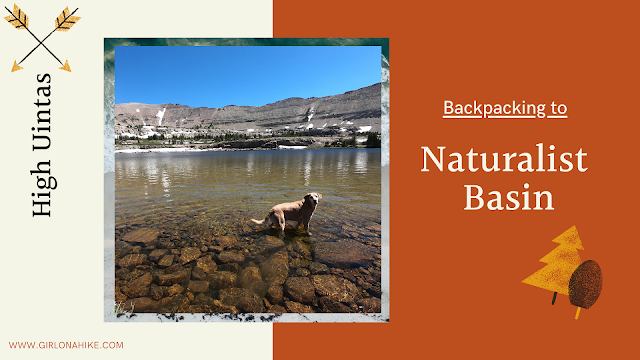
[165,270]
[253,144]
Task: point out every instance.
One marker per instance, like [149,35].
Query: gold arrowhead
[16,67]
[66,66]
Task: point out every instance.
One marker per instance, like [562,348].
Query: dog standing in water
[299,211]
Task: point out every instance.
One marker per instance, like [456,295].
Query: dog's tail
[260,222]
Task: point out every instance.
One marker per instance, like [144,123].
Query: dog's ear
[319,197]
[306,197]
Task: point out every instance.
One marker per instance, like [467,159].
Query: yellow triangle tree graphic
[562,261]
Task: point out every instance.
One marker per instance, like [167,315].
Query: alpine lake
[185,242]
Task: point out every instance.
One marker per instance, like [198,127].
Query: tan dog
[299,211]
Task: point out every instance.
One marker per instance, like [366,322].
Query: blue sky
[216,76]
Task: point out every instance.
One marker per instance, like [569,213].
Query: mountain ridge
[354,110]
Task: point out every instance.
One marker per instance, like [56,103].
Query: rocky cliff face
[353,110]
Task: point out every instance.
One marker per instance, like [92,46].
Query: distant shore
[197,149]
[290,143]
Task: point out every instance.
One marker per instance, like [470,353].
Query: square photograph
[249,180]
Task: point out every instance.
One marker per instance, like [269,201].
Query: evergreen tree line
[373,138]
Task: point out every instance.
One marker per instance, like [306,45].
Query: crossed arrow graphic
[20,21]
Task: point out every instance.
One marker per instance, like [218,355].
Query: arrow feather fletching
[18,18]
[65,21]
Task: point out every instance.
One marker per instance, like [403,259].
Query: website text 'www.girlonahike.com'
[71,345]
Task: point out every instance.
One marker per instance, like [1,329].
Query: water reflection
[349,179]
[307,168]
[361,163]
[166,182]
[343,164]
[250,160]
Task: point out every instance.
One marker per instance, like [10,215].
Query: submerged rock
[166,260]
[363,284]
[302,272]
[375,291]
[230,257]
[145,236]
[250,279]
[231,267]
[317,268]
[226,241]
[216,249]
[189,254]
[268,244]
[296,307]
[210,305]
[164,244]
[276,268]
[173,278]
[219,307]
[121,272]
[177,301]
[197,286]
[329,305]
[222,279]
[244,300]
[133,274]
[156,291]
[277,309]
[155,255]
[138,287]
[335,288]
[123,249]
[301,249]
[132,260]
[198,274]
[299,289]
[203,300]
[174,289]
[345,253]
[207,265]
[249,276]
[174,268]
[275,294]
[299,263]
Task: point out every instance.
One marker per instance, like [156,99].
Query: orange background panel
[456,275]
